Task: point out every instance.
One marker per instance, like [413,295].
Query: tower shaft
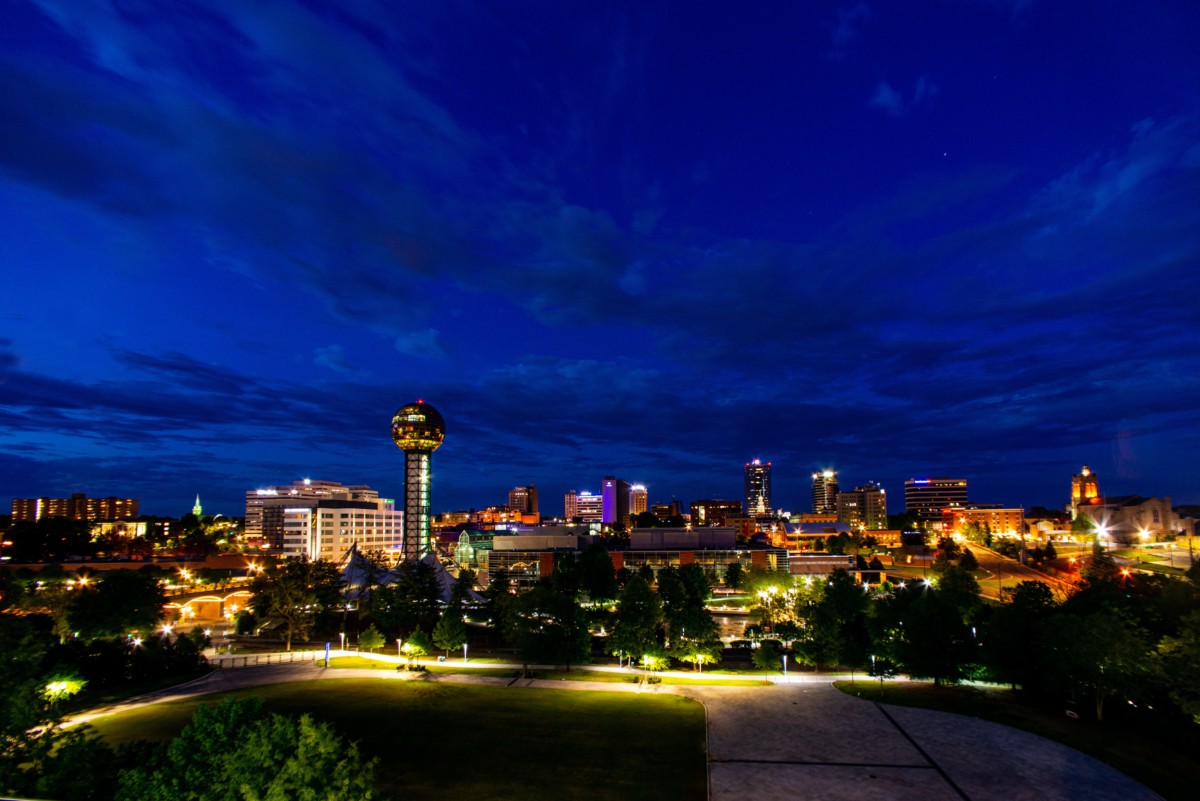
[416,504]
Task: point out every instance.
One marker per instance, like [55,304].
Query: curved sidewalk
[803,740]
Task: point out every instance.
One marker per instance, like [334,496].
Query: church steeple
[197,510]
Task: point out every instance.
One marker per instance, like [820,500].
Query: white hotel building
[322,519]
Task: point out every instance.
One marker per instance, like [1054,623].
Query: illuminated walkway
[802,740]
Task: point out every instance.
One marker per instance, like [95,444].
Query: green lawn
[1163,754]
[440,741]
[630,678]
[550,675]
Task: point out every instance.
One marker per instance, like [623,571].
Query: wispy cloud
[425,344]
[850,19]
[892,100]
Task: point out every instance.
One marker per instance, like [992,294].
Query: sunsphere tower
[417,429]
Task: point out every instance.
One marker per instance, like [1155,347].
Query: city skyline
[891,241]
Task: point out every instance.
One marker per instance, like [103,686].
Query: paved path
[814,742]
[804,741]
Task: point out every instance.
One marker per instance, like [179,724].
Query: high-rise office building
[265,506]
[583,507]
[639,499]
[417,429]
[523,500]
[863,507]
[616,501]
[927,497]
[824,491]
[758,488]
[77,507]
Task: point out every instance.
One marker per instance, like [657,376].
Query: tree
[597,577]
[409,602]
[1011,631]
[949,547]
[1102,653]
[968,561]
[733,576]
[370,639]
[295,593]
[699,652]
[548,626]
[49,539]
[1083,525]
[418,645]
[230,752]
[638,615]
[450,633]
[123,601]
[960,589]
[1181,666]
[767,657]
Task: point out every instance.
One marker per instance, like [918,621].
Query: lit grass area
[448,741]
[1166,569]
[578,674]
[1138,553]
[1161,753]
[630,678]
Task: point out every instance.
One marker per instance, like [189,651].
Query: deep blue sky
[647,239]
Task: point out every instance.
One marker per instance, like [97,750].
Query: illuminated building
[1085,489]
[523,500]
[638,499]
[864,507]
[616,501]
[418,430]
[527,558]
[758,488]
[264,506]
[1132,519]
[77,507]
[927,497]
[583,507]
[824,491]
[328,528]
[665,511]
[714,513]
[995,518]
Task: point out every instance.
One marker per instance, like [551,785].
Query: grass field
[726,679]
[438,741]
[1162,754]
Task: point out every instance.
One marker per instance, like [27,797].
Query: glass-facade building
[758,488]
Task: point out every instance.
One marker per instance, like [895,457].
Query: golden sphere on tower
[418,427]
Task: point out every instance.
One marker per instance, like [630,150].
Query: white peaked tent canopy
[359,573]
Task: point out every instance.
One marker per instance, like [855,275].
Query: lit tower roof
[418,430]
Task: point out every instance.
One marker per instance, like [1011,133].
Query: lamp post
[464,651]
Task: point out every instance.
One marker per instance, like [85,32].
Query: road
[1008,572]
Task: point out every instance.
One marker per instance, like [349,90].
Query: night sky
[653,240]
